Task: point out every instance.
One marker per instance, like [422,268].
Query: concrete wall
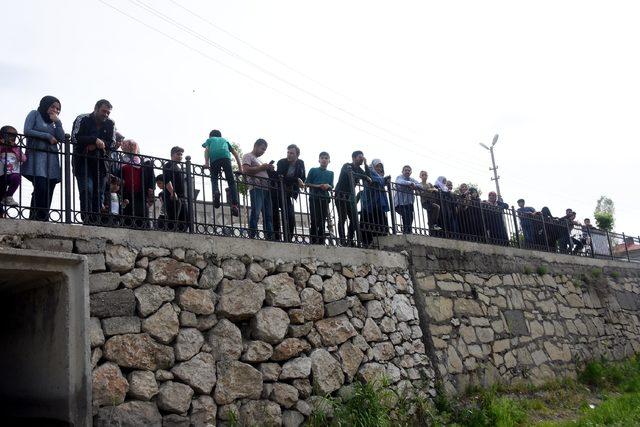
[45,350]
[501,314]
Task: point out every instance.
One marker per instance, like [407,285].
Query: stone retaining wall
[189,337]
[501,315]
[192,329]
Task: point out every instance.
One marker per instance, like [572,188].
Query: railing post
[67,180]
[609,243]
[484,227]
[284,224]
[189,194]
[626,249]
[354,207]
[391,208]
[442,212]
[593,254]
[544,231]
[515,223]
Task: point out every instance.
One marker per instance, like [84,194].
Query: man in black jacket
[345,194]
[93,139]
[291,171]
[173,173]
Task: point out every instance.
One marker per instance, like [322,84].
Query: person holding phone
[259,184]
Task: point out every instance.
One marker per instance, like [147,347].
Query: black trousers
[319,211]
[41,197]
[224,165]
[346,210]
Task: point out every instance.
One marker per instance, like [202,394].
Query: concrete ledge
[45,310]
[404,242]
[288,252]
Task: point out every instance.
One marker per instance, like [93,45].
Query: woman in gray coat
[44,134]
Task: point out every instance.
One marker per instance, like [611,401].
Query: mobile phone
[272,162]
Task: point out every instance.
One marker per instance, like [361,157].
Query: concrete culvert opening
[43,348]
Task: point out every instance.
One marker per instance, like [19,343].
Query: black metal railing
[144,192]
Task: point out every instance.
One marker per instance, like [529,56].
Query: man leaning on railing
[93,137]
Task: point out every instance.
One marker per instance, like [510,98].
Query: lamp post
[495,178]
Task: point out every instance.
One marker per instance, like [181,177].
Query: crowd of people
[116,185]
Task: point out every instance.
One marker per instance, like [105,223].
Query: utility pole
[495,178]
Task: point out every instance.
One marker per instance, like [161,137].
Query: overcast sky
[409,82]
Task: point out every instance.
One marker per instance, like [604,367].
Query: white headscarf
[441,184]
[374,163]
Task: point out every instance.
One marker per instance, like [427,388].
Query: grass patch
[615,275]
[596,272]
[605,393]
[541,270]
[527,270]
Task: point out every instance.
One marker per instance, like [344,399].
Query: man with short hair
[320,181]
[93,139]
[258,180]
[217,155]
[525,213]
[292,173]
[404,197]
[345,194]
[173,174]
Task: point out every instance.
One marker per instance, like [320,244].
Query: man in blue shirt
[403,198]
[320,181]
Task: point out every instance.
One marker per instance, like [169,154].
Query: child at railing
[11,157]
[217,156]
[170,205]
[116,203]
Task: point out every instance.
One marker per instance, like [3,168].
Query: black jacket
[173,173]
[85,132]
[291,182]
[344,187]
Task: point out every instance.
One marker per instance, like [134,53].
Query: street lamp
[495,178]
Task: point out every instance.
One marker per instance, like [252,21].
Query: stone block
[516,322]
[48,245]
[113,303]
[121,325]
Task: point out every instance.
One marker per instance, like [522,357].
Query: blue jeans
[406,213]
[91,187]
[260,202]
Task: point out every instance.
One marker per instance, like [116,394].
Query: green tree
[241,184]
[604,213]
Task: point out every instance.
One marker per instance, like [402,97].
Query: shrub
[527,270]
[541,270]
[604,220]
[596,272]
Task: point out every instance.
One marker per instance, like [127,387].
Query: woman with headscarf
[447,208]
[374,204]
[44,134]
[546,230]
[138,184]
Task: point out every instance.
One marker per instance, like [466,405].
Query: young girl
[11,157]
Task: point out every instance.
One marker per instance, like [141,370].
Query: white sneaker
[437,228]
[9,201]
